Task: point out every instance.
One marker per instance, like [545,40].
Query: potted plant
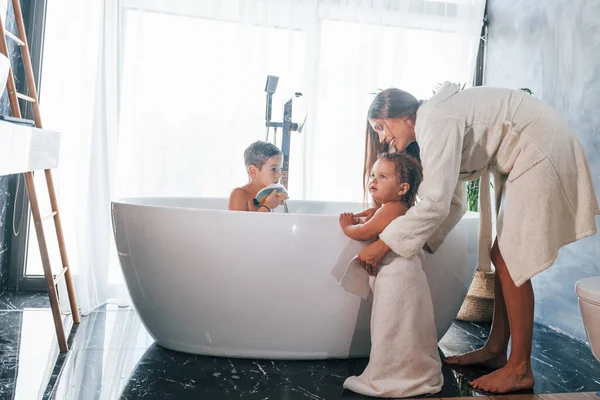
[479,303]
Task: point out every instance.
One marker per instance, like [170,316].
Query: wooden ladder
[21,39]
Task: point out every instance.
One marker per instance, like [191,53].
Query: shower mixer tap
[287,126]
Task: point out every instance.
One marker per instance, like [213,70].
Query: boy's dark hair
[259,152]
[409,170]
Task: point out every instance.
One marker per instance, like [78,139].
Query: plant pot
[479,303]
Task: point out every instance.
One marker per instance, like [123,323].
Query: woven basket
[479,304]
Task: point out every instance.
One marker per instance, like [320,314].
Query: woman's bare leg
[519,301]
[493,354]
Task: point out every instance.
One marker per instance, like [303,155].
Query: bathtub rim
[138,202]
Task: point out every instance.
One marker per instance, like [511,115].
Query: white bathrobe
[541,174]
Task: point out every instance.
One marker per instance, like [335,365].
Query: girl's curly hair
[408,170]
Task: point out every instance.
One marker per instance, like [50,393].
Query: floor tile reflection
[29,354]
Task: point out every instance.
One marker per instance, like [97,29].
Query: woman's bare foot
[484,356]
[507,379]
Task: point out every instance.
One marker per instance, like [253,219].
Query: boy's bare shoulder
[239,191]
[238,199]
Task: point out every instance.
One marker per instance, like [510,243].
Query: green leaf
[526,90]
[473,195]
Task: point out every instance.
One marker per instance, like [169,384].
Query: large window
[162,97]
[192,91]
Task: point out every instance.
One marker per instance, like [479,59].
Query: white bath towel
[404,358]
[355,279]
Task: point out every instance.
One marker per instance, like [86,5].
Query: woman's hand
[371,256]
[347,219]
[368,213]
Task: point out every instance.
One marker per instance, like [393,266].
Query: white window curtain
[160,98]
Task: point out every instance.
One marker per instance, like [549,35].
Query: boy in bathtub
[263,164]
[404,359]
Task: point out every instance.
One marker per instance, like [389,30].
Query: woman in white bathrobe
[544,192]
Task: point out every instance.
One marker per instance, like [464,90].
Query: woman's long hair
[390,103]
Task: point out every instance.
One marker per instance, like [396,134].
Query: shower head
[270,89]
[271,85]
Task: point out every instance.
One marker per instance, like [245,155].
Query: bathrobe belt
[485,217]
[485,203]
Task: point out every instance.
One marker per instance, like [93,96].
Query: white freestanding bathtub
[209,281]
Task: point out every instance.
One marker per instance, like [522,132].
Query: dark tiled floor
[12,301]
[113,357]
[30,360]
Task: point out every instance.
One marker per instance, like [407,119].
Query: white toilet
[588,291]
